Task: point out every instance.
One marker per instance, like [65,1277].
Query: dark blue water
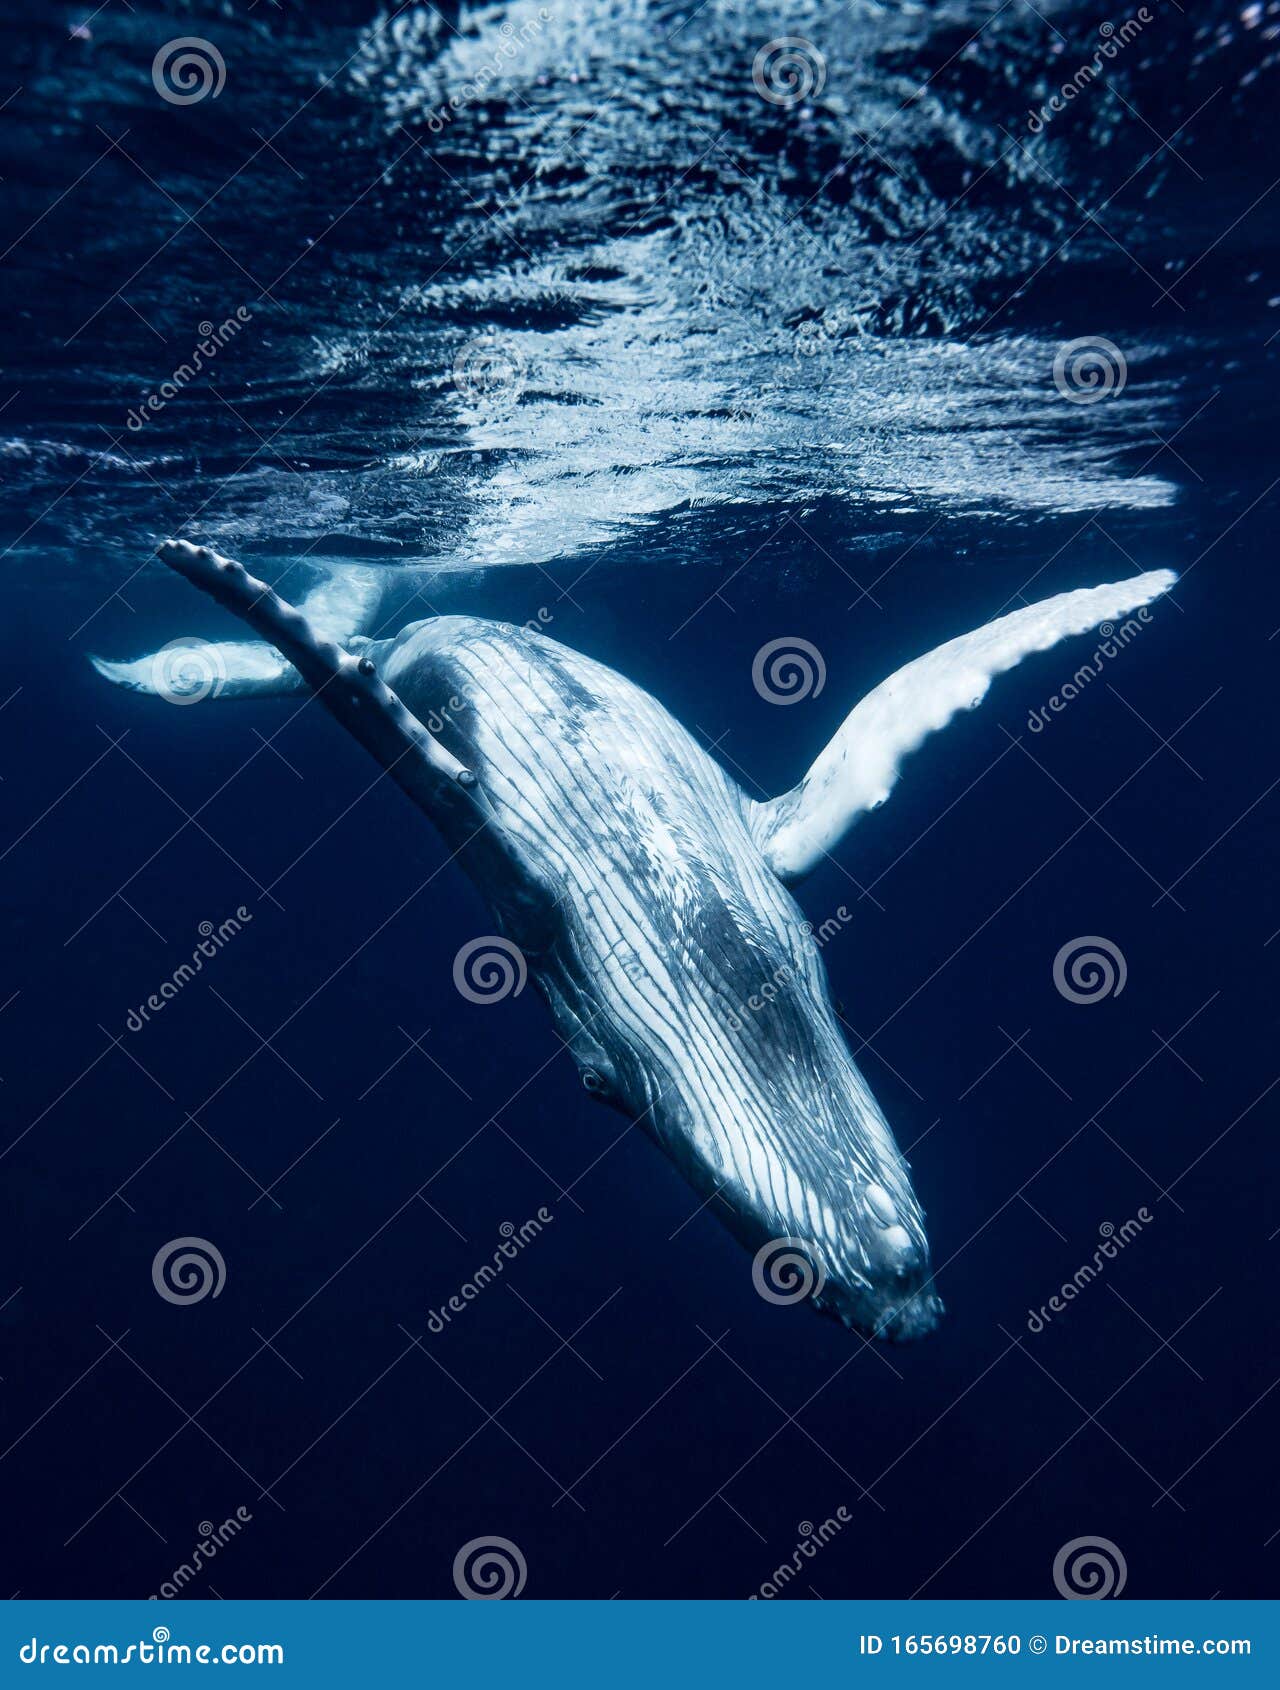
[763,370]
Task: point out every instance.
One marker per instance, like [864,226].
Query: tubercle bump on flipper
[349,687]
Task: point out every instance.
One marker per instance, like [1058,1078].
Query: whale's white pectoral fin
[342,605]
[349,687]
[858,769]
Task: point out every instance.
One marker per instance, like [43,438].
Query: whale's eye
[594,1082]
[367,666]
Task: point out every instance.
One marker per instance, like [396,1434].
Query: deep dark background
[1146,1414]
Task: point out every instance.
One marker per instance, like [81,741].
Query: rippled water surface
[677,302]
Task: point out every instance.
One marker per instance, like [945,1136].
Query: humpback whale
[647,894]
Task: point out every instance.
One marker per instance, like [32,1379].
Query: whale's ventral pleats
[645,894]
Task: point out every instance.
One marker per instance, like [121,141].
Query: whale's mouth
[822,1201]
[916,1316]
[888,1312]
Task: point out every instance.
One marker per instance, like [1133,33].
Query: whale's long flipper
[342,605]
[349,687]
[859,767]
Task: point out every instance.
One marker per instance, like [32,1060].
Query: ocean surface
[679,338]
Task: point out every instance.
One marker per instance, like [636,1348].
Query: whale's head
[728,1052]
[809,1175]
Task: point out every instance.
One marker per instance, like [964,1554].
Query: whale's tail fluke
[858,769]
[341,607]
